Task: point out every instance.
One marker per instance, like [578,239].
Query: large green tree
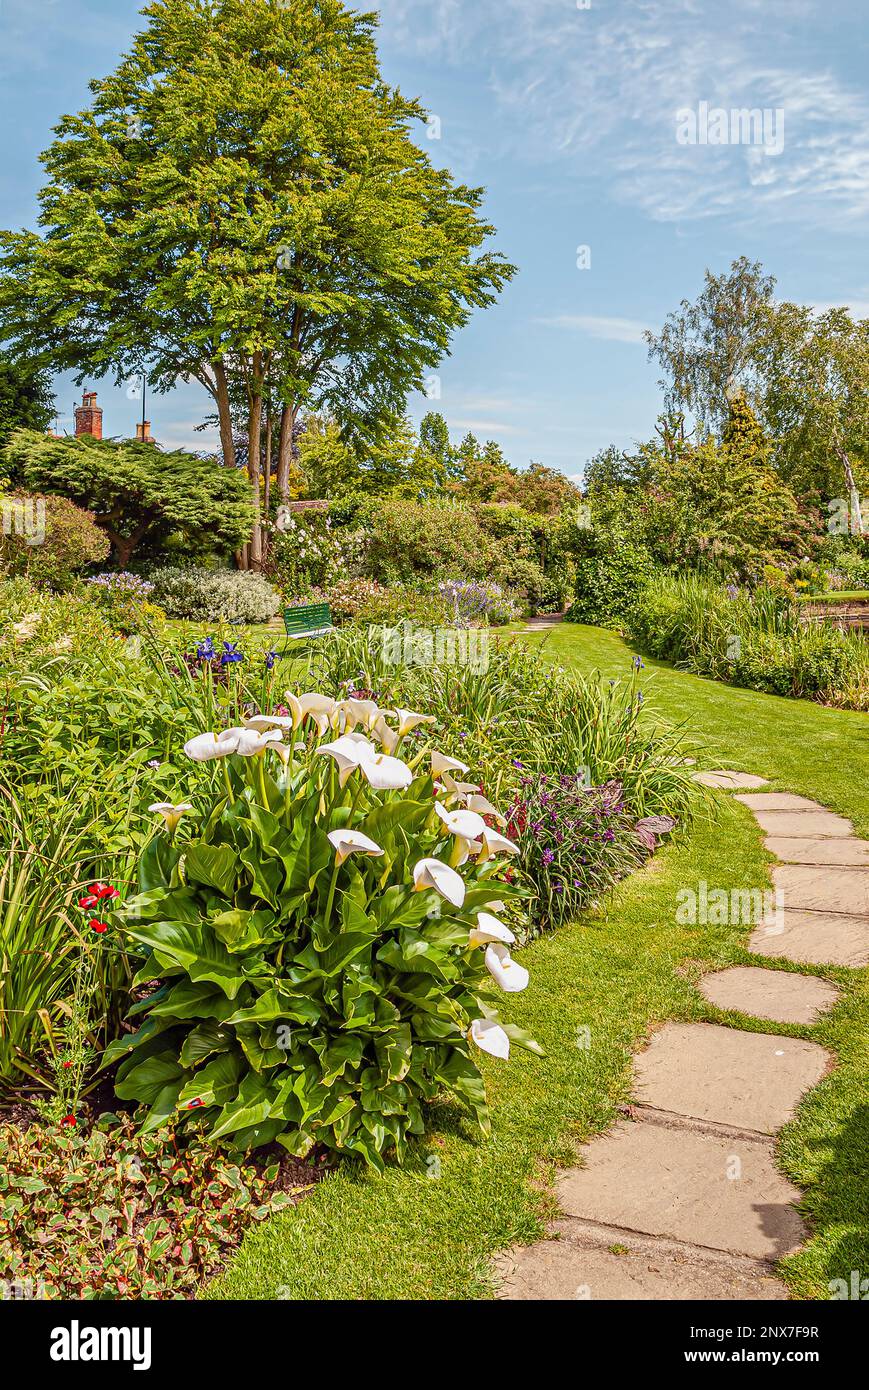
[139,495]
[243,198]
[26,400]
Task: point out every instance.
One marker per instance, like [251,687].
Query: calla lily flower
[171,814]
[489,1037]
[261,723]
[385,773]
[484,808]
[432,873]
[459,789]
[493,843]
[251,742]
[489,930]
[388,737]
[347,842]
[349,753]
[407,721]
[502,967]
[204,748]
[441,763]
[464,850]
[465,823]
[355,712]
[320,708]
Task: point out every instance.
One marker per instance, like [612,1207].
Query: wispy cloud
[612,330]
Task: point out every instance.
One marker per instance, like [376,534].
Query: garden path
[683,1199]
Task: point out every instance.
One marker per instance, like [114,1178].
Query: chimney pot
[89,416]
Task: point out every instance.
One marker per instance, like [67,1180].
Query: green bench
[310,620]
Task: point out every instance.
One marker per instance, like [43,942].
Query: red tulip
[99,927]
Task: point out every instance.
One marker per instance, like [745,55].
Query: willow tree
[243,202]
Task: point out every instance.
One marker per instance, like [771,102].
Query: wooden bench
[310,620]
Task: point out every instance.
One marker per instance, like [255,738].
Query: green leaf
[250,1107]
[214,865]
[195,949]
[145,1080]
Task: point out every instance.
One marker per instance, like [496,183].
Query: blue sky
[567,113]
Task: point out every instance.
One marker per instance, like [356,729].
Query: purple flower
[271,658]
[548,856]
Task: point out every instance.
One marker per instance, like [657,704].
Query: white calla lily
[251,742]
[408,720]
[261,723]
[205,748]
[432,873]
[457,789]
[347,842]
[489,1037]
[483,807]
[353,712]
[489,930]
[502,967]
[465,823]
[385,773]
[170,813]
[349,753]
[493,843]
[388,737]
[464,850]
[441,763]
[319,708]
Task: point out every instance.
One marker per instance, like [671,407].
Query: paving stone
[779,801]
[710,1190]
[773,994]
[749,1080]
[570,1268]
[831,852]
[814,888]
[729,781]
[804,825]
[816,938]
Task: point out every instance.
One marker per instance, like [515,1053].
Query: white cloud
[612,330]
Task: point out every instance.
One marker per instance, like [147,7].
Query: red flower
[104,890]
[68,1120]
[66,1065]
[99,927]
[195,1104]
[90,901]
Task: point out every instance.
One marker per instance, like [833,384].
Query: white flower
[489,1037]
[432,873]
[388,737]
[170,813]
[502,967]
[246,742]
[261,723]
[441,763]
[488,930]
[484,808]
[320,708]
[355,712]
[251,742]
[454,788]
[385,773]
[347,842]
[407,721]
[349,753]
[493,843]
[465,823]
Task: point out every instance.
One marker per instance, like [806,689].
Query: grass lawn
[415,1235]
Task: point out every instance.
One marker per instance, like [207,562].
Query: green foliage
[112,1214]
[206,595]
[410,541]
[753,640]
[140,496]
[396,465]
[611,570]
[304,999]
[67,541]
[26,400]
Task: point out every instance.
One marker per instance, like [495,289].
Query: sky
[584,121]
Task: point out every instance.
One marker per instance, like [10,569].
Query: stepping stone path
[684,1199]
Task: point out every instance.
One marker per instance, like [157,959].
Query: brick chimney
[89,416]
[143,433]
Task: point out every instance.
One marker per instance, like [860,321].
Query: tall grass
[754,640]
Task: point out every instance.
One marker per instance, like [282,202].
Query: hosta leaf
[145,1080]
[188,999]
[250,1107]
[195,949]
[214,865]
[273,1006]
[217,1082]
[203,1040]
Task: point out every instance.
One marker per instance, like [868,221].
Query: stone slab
[831,852]
[779,801]
[814,888]
[816,938]
[773,994]
[730,781]
[804,825]
[569,1268]
[749,1080]
[710,1190]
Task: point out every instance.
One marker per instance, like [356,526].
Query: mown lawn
[428,1232]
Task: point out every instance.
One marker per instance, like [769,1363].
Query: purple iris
[231,654]
[271,658]
[205,651]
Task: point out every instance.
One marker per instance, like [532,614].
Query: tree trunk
[254,452]
[853,493]
[285,452]
[227,444]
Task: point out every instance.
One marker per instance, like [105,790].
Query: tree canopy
[139,495]
[243,200]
